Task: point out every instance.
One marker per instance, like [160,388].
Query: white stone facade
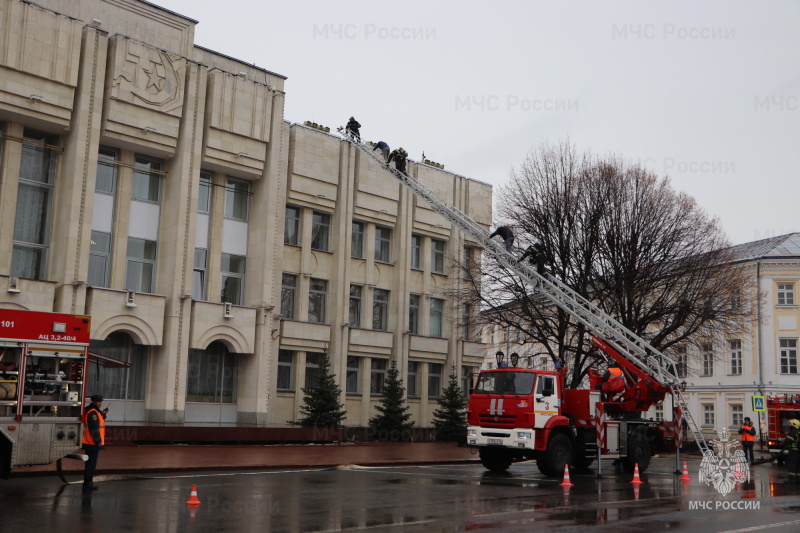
[156,176]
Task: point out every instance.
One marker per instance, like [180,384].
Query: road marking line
[756,528]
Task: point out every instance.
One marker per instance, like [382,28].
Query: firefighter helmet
[794,423]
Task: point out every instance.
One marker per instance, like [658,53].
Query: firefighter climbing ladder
[624,341]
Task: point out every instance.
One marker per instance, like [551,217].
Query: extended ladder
[647,358]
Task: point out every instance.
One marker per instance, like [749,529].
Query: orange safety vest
[747,437]
[87,435]
[614,372]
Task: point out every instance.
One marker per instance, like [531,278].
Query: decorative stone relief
[144,75]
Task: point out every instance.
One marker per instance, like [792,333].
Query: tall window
[204,193]
[737,415]
[383,241]
[785,293]
[355,305]
[119,383]
[141,268]
[317,300]
[320,231]
[312,369]
[233,270]
[437,256]
[681,359]
[380,309]
[99,259]
[377,376]
[291,230]
[34,202]
[434,380]
[467,373]
[106,181]
[708,414]
[237,199]
[469,260]
[466,322]
[357,250]
[708,360]
[412,381]
[736,356]
[211,375]
[199,273]
[788,356]
[285,369]
[353,380]
[416,251]
[437,317]
[147,179]
[413,313]
[288,295]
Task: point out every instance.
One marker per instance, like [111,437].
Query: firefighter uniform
[748,433]
[792,444]
[94,438]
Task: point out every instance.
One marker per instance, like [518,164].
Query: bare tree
[621,237]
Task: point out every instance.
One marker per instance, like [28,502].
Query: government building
[219,248]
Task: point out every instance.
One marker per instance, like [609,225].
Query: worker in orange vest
[748,433]
[613,381]
[94,438]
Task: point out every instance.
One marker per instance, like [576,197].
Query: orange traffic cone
[685,476]
[566,482]
[636,480]
[193,496]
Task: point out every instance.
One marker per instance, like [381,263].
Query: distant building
[155,185]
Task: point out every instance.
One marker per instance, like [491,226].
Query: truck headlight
[472,433]
[523,435]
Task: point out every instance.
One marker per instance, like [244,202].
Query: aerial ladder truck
[519,414]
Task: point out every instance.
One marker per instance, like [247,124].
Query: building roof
[781,246]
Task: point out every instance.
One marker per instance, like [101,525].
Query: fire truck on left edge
[43,363]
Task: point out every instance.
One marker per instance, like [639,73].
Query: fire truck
[517,413]
[780,409]
[43,359]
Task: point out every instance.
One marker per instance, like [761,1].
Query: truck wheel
[639,451]
[558,454]
[495,459]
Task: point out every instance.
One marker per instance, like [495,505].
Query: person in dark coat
[384,148]
[506,234]
[94,438]
[352,129]
[537,256]
[399,157]
[748,433]
[791,447]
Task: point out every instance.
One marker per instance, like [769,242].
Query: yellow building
[156,186]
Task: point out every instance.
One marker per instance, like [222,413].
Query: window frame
[322,304]
[352,380]
[204,193]
[292,222]
[357,239]
[785,293]
[200,271]
[412,379]
[737,413]
[735,349]
[154,177]
[383,244]
[321,231]
[709,415]
[95,256]
[413,313]
[435,380]
[237,201]
[286,290]
[787,356]
[141,262]
[225,275]
[438,265]
[436,318]
[377,375]
[380,310]
[707,352]
[416,252]
[355,305]
[283,365]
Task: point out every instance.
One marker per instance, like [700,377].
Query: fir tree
[450,420]
[391,422]
[322,408]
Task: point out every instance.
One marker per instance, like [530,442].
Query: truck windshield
[505,383]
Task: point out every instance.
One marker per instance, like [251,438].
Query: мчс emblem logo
[724,467]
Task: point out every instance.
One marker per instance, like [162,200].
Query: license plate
[499,442]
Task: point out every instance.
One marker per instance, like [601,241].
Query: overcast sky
[705,92]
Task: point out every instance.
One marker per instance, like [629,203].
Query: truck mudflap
[515,438]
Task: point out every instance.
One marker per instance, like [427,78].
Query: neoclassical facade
[219,249]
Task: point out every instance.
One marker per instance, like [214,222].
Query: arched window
[212,375]
[118,383]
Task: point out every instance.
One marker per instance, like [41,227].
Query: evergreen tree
[322,408]
[391,422]
[450,420]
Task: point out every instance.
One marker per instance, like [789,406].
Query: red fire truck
[780,409]
[43,360]
[516,414]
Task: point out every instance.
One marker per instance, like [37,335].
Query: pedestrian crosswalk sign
[758,404]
